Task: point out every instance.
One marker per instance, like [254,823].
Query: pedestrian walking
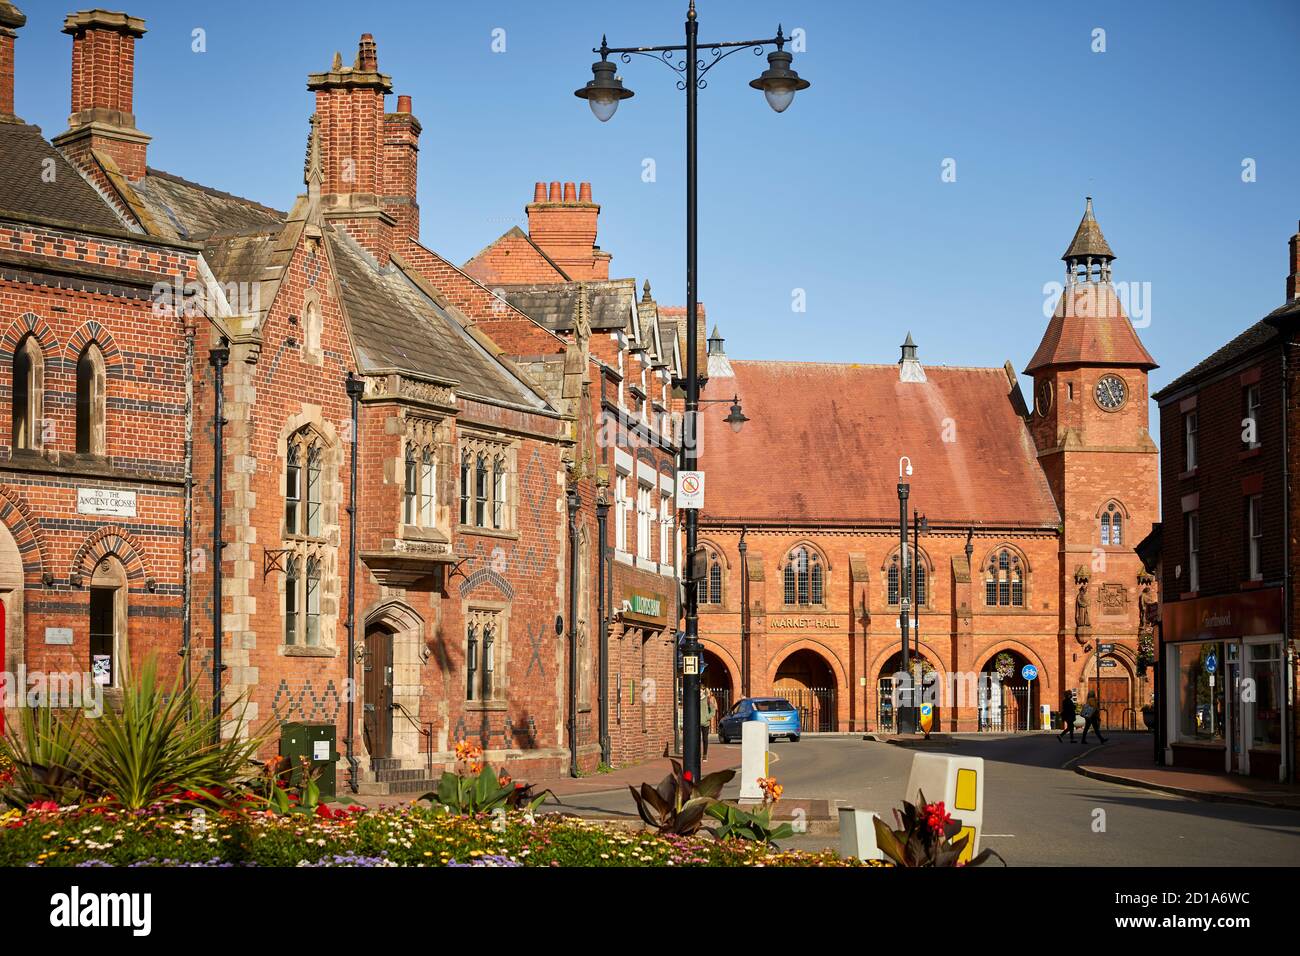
[707,711]
[1092,718]
[1067,715]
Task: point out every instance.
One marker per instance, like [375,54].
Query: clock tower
[1089,422]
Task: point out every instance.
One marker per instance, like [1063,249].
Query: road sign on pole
[690,489]
[1029,672]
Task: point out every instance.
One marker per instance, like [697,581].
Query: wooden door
[378,704]
[1115,699]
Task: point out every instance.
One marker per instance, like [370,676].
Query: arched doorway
[12,650]
[1007,702]
[717,681]
[806,680]
[924,676]
[1115,690]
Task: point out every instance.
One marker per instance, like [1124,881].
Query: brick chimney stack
[103,90]
[562,220]
[1293,280]
[11,19]
[400,168]
[351,138]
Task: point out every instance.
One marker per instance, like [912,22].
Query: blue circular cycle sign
[1029,672]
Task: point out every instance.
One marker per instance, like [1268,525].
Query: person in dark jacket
[1092,718]
[1067,716]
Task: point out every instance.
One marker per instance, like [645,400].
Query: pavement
[1129,762]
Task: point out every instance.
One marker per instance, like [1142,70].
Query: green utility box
[316,741]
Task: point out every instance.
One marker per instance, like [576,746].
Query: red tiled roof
[1089,327]
[823,441]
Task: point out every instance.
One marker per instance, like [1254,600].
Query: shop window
[1199,704]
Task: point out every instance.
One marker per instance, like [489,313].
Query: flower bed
[401,836]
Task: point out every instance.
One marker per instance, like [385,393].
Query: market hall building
[1031,518]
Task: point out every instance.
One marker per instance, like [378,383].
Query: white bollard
[753,758]
[959,783]
[858,834]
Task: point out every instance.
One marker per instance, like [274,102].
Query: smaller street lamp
[737,418]
[778,82]
[605,90]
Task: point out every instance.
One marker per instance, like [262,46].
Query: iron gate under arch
[816,707]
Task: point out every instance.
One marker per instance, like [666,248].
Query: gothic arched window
[1004,580]
[28,393]
[804,578]
[711,584]
[1112,526]
[90,401]
[895,578]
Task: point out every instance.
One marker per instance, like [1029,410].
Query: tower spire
[1089,257]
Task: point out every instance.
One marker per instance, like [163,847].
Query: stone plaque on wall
[1113,600]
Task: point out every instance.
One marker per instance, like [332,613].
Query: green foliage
[746,825]
[485,793]
[44,757]
[677,805]
[925,837]
[165,739]
[162,744]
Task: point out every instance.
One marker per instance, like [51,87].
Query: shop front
[1224,663]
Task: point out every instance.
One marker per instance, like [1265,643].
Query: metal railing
[427,734]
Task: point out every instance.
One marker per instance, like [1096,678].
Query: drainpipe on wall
[573,630]
[188,543]
[1288,658]
[355,387]
[602,519]
[744,615]
[219,357]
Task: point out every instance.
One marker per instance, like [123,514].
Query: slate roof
[553,304]
[190,211]
[25,191]
[396,326]
[1258,336]
[1089,327]
[823,441]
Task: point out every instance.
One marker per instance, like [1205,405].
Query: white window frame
[1252,413]
[620,514]
[1189,440]
[643,521]
[1255,531]
[1193,551]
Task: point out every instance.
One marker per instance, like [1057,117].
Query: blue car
[780,716]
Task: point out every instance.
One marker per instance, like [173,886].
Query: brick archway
[114,542]
[27,536]
[809,675]
[92,331]
[1024,650]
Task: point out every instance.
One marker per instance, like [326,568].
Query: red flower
[43,806]
[325,813]
[936,817]
[356,808]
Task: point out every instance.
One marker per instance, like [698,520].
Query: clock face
[1111,392]
[1043,397]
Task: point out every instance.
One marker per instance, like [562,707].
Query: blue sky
[841,196]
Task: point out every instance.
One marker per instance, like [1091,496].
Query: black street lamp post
[906,714]
[603,93]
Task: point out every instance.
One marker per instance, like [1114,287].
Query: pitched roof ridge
[212,191]
[469,278]
[891,367]
[522,234]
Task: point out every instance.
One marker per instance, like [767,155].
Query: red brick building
[1032,515]
[615,377]
[379,524]
[1228,635]
[93,392]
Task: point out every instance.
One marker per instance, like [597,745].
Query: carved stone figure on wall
[1082,607]
[1148,610]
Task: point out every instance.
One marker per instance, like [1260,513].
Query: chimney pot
[584,192]
[367,55]
[554,194]
[11,18]
[570,193]
[539,192]
[404,104]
